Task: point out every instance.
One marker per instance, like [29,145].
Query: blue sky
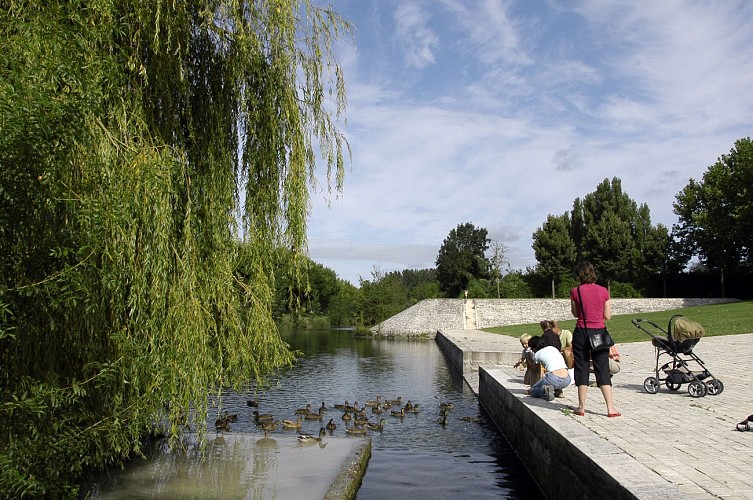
[500,113]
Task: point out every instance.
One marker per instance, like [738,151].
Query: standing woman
[597,308]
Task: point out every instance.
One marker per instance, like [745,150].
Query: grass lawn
[718,319]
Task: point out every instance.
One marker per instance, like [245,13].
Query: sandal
[580,413]
[743,426]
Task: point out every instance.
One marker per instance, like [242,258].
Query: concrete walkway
[689,442]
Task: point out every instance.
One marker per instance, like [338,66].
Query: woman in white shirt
[557,375]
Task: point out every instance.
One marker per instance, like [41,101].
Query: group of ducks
[352,413]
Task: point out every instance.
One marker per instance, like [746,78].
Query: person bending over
[557,376]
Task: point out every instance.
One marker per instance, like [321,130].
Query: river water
[415,455]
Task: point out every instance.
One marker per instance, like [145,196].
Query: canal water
[415,455]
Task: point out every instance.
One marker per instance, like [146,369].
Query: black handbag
[599,339]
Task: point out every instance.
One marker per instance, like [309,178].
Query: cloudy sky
[501,112]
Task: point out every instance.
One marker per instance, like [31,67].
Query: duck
[446,405]
[377,427]
[331,426]
[352,408]
[377,409]
[413,409]
[341,406]
[347,416]
[374,402]
[262,417]
[233,417]
[310,438]
[361,420]
[290,424]
[471,419]
[314,416]
[303,411]
[408,406]
[398,413]
[222,424]
[253,403]
[396,402]
[356,430]
[323,407]
[442,420]
[268,426]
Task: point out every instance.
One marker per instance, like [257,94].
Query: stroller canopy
[685,329]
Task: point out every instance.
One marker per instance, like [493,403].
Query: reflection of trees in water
[263,467]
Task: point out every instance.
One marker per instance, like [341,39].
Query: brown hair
[585,273]
[546,324]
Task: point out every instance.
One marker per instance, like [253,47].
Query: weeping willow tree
[138,142]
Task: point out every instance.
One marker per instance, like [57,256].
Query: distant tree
[497,260]
[610,229]
[383,296]
[514,286]
[462,257]
[554,248]
[346,306]
[716,214]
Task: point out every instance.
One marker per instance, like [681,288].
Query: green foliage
[514,286]
[554,248]
[716,214]
[125,128]
[623,290]
[718,319]
[462,257]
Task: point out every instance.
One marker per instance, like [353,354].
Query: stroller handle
[638,321]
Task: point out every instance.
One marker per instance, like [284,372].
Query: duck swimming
[303,411]
[355,430]
[398,413]
[331,426]
[289,424]
[262,417]
[377,427]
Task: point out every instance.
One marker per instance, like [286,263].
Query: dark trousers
[582,354]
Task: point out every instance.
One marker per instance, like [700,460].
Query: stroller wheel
[697,389]
[714,387]
[651,384]
[672,386]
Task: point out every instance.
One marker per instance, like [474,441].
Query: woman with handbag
[589,302]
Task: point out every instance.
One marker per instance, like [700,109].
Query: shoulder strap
[582,310]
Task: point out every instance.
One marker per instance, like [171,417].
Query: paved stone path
[691,442]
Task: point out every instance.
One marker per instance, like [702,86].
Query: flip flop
[615,414]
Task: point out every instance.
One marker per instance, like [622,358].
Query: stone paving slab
[691,442]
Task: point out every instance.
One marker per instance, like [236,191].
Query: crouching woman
[557,376]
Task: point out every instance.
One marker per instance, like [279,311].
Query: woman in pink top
[597,308]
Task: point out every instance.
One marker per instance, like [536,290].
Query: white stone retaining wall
[431,315]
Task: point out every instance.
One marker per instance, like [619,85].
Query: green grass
[719,319]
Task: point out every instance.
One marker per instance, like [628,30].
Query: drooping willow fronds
[132,133]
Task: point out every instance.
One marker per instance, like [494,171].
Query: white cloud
[505,112]
[413,31]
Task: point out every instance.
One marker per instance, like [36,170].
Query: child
[534,371]
[522,361]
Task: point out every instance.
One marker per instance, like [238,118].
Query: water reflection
[465,458]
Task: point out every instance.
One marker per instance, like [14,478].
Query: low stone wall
[564,458]
[431,315]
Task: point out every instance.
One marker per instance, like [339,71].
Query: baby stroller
[677,343]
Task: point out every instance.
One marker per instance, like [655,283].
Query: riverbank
[666,445]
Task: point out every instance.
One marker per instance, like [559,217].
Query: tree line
[705,254]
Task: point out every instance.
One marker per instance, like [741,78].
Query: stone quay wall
[431,315]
